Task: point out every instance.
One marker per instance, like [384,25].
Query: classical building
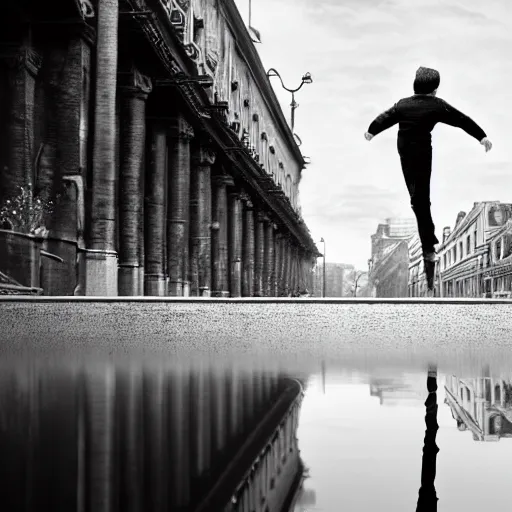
[464,256]
[152,127]
[389,262]
[497,274]
[482,406]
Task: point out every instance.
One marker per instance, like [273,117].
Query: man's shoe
[430,265]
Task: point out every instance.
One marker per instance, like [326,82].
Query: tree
[355,281]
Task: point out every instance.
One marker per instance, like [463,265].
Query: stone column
[287,266]
[180,492]
[259,255]
[131,199]
[201,221]
[279,266]
[220,268]
[18,166]
[101,256]
[235,242]
[178,218]
[248,248]
[155,214]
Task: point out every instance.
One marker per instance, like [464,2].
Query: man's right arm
[453,117]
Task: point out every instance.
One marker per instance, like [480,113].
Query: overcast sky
[363,55]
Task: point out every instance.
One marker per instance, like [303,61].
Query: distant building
[335,279]
[406,389]
[389,263]
[473,256]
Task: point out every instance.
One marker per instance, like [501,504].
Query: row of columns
[104,437]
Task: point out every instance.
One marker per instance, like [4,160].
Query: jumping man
[417,116]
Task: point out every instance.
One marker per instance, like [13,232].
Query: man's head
[427,81]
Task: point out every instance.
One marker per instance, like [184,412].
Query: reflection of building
[482,406]
[464,253]
[406,390]
[148,437]
[335,279]
[153,125]
[389,262]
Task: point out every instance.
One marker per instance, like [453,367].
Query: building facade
[467,255]
[481,405]
[497,274]
[335,280]
[153,129]
[389,262]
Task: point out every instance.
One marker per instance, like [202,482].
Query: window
[468,244]
[474,239]
[461,250]
[454,250]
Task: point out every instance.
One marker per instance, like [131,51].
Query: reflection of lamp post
[323,278]
[306,79]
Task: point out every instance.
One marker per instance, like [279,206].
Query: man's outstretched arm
[453,117]
[383,121]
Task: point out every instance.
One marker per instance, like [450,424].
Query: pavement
[298,333]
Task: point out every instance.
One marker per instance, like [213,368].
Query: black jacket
[417,116]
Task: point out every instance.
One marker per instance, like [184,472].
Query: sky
[363,55]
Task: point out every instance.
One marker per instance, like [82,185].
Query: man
[417,115]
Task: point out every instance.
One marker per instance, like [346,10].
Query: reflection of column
[156,429]
[235,243]
[154,215]
[201,221]
[180,134]
[131,459]
[248,248]
[101,259]
[220,253]
[179,440]
[201,427]
[219,412]
[248,399]
[259,254]
[99,437]
[133,133]
[236,405]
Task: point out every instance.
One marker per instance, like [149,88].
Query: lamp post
[306,79]
[323,270]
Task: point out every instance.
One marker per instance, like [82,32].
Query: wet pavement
[255,405]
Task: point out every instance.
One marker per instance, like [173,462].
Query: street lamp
[306,79]
[323,278]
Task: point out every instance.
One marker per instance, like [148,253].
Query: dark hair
[426,81]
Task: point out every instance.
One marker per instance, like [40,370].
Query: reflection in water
[154,437]
[360,434]
[481,405]
[427,499]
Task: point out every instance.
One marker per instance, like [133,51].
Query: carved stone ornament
[141,81]
[86,8]
[246,103]
[255,117]
[181,130]
[264,136]
[281,165]
[272,149]
[23,57]
[204,156]
[234,85]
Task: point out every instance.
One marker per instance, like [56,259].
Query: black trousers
[416,160]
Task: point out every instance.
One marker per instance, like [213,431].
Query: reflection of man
[427,498]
